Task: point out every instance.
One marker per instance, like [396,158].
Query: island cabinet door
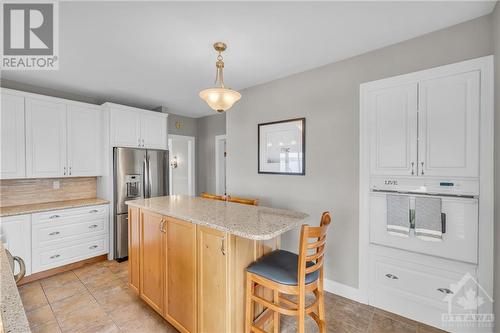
[133,248]
[152,260]
[213,300]
[180,283]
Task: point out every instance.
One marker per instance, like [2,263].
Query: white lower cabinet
[16,237]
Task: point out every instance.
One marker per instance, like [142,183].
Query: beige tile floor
[96,298]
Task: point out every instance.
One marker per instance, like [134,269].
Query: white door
[182,164]
[15,234]
[45,138]
[393,147]
[220,165]
[84,141]
[154,130]
[13,156]
[125,128]
[449,126]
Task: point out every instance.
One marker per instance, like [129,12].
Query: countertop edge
[48,209]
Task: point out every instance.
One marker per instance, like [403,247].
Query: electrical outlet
[56,185]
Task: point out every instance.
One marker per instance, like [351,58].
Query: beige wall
[328,98]
[496,45]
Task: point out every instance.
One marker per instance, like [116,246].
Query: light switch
[56,185]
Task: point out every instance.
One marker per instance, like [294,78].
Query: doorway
[220,164]
[182,164]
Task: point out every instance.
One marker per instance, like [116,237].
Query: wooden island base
[192,275]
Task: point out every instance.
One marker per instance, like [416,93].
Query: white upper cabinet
[12,137]
[393,113]
[125,128]
[449,125]
[154,130]
[136,128]
[84,141]
[45,138]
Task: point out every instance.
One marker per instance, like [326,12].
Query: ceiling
[148,54]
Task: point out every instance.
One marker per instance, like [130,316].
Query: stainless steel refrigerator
[138,173]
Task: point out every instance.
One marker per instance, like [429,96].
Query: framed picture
[282,147]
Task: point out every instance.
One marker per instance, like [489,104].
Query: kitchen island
[187,257]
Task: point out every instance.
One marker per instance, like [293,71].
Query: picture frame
[281,147]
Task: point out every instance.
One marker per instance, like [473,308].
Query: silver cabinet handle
[55,256]
[93,211]
[22,269]
[64,172]
[391,276]
[54,216]
[70,171]
[138,142]
[422,164]
[223,246]
[412,169]
[162,226]
[445,291]
[93,247]
[142,142]
[93,226]
[53,233]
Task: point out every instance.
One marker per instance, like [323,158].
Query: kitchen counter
[251,222]
[48,206]
[13,317]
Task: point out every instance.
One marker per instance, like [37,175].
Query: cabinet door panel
[152,260]
[393,147]
[45,138]
[16,237]
[84,141]
[12,137]
[212,281]
[134,248]
[154,130]
[125,128]
[180,302]
[449,126]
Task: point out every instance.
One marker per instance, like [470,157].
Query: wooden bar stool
[253,202]
[285,272]
[212,196]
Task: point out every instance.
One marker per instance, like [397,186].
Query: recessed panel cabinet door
[16,237]
[84,141]
[134,248]
[212,281]
[449,126]
[393,146]
[154,130]
[125,128]
[152,259]
[45,138]
[180,298]
[12,137]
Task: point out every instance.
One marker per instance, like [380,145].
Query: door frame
[218,138]
[486,167]
[191,162]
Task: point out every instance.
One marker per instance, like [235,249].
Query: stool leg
[248,304]
[301,320]
[321,302]
[276,320]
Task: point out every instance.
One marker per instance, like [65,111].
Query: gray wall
[496,45]
[188,126]
[328,97]
[208,128]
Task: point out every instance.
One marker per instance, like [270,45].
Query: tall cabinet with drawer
[49,137]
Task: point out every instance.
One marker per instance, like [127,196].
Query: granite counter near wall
[16,192]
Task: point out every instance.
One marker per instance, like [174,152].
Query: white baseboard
[344,290]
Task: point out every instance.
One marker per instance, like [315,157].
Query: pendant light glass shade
[220,98]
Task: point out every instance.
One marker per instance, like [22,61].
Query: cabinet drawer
[57,215]
[45,234]
[68,252]
[423,284]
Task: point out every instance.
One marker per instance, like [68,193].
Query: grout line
[50,305]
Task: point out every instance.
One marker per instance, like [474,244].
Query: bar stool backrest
[253,202]
[212,196]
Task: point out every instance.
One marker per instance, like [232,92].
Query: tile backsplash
[15,192]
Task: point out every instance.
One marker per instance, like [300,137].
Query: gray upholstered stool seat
[282,267]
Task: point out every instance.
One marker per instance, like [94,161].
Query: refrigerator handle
[144,178]
[150,180]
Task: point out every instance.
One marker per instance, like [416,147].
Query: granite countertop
[12,310]
[252,222]
[48,206]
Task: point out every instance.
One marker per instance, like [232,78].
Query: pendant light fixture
[220,98]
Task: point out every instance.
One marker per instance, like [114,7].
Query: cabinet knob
[55,256]
[391,276]
[445,291]
[54,233]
